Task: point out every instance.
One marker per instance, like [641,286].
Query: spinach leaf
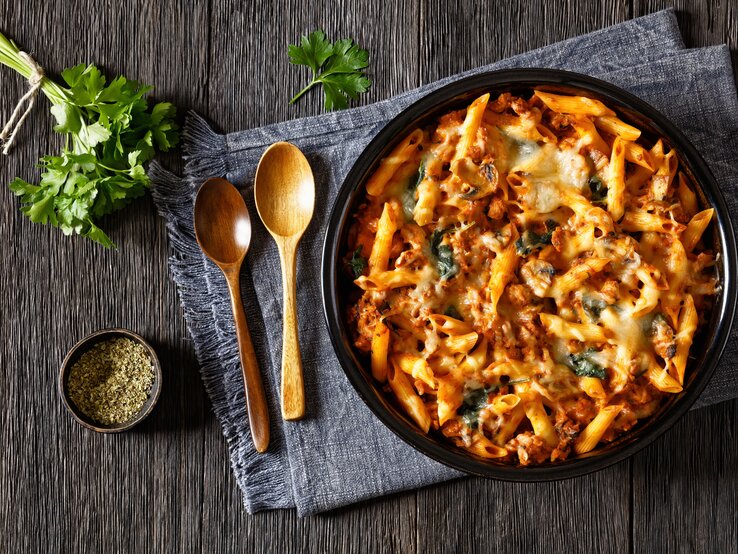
[598,188]
[530,240]
[451,311]
[477,399]
[474,401]
[583,366]
[445,263]
[408,195]
[357,264]
[443,254]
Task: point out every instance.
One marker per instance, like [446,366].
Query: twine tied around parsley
[35,79]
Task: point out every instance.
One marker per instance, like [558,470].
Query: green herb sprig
[338,66]
[111,131]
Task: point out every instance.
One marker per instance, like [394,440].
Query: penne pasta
[577,105]
[687,326]
[584,332]
[406,150]
[616,180]
[408,398]
[389,280]
[383,241]
[416,367]
[635,153]
[611,124]
[540,421]
[380,349]
[501,273]
[695,228]
[593,432]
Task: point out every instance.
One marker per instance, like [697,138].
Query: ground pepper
[111,382]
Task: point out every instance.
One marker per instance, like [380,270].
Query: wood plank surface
[167,486]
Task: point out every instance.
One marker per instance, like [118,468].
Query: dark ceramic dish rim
[83,345]
[442,99]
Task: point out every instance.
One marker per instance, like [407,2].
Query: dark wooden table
[167,486]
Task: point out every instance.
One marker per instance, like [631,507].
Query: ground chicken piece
[559,121]
[363,317]
[501,103]
[521,107]
[530,448]
[527,319]
[451,120]
[538,275]
[558,239]
[583,411]
[610,291]
[496,208]
[519,295]
[568,431]
[679,214]
[452,428]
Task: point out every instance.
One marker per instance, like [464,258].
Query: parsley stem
[303,91]
[10,56]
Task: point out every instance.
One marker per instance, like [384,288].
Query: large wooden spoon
[223,230]
[284,190]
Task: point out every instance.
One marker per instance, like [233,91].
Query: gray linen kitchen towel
[340,453]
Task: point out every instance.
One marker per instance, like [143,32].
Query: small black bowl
[708,344]
[83,346]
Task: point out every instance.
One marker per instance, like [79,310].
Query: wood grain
[167,486]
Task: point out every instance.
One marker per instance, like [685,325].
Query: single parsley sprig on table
[111,132]
[338,66]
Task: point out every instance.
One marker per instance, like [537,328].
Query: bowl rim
[423,108]
[82,346]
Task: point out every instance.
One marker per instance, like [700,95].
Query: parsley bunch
[111,131]
[338,66]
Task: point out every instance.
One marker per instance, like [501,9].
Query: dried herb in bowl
[111,382]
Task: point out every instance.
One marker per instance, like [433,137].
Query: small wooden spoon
[223,230]
[284,190]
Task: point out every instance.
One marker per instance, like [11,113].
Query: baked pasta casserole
[530,274]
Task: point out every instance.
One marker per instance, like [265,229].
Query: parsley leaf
[357,264]
[111,131]
[338,66]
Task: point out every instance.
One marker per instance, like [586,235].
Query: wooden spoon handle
[293,388]
[255,397]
